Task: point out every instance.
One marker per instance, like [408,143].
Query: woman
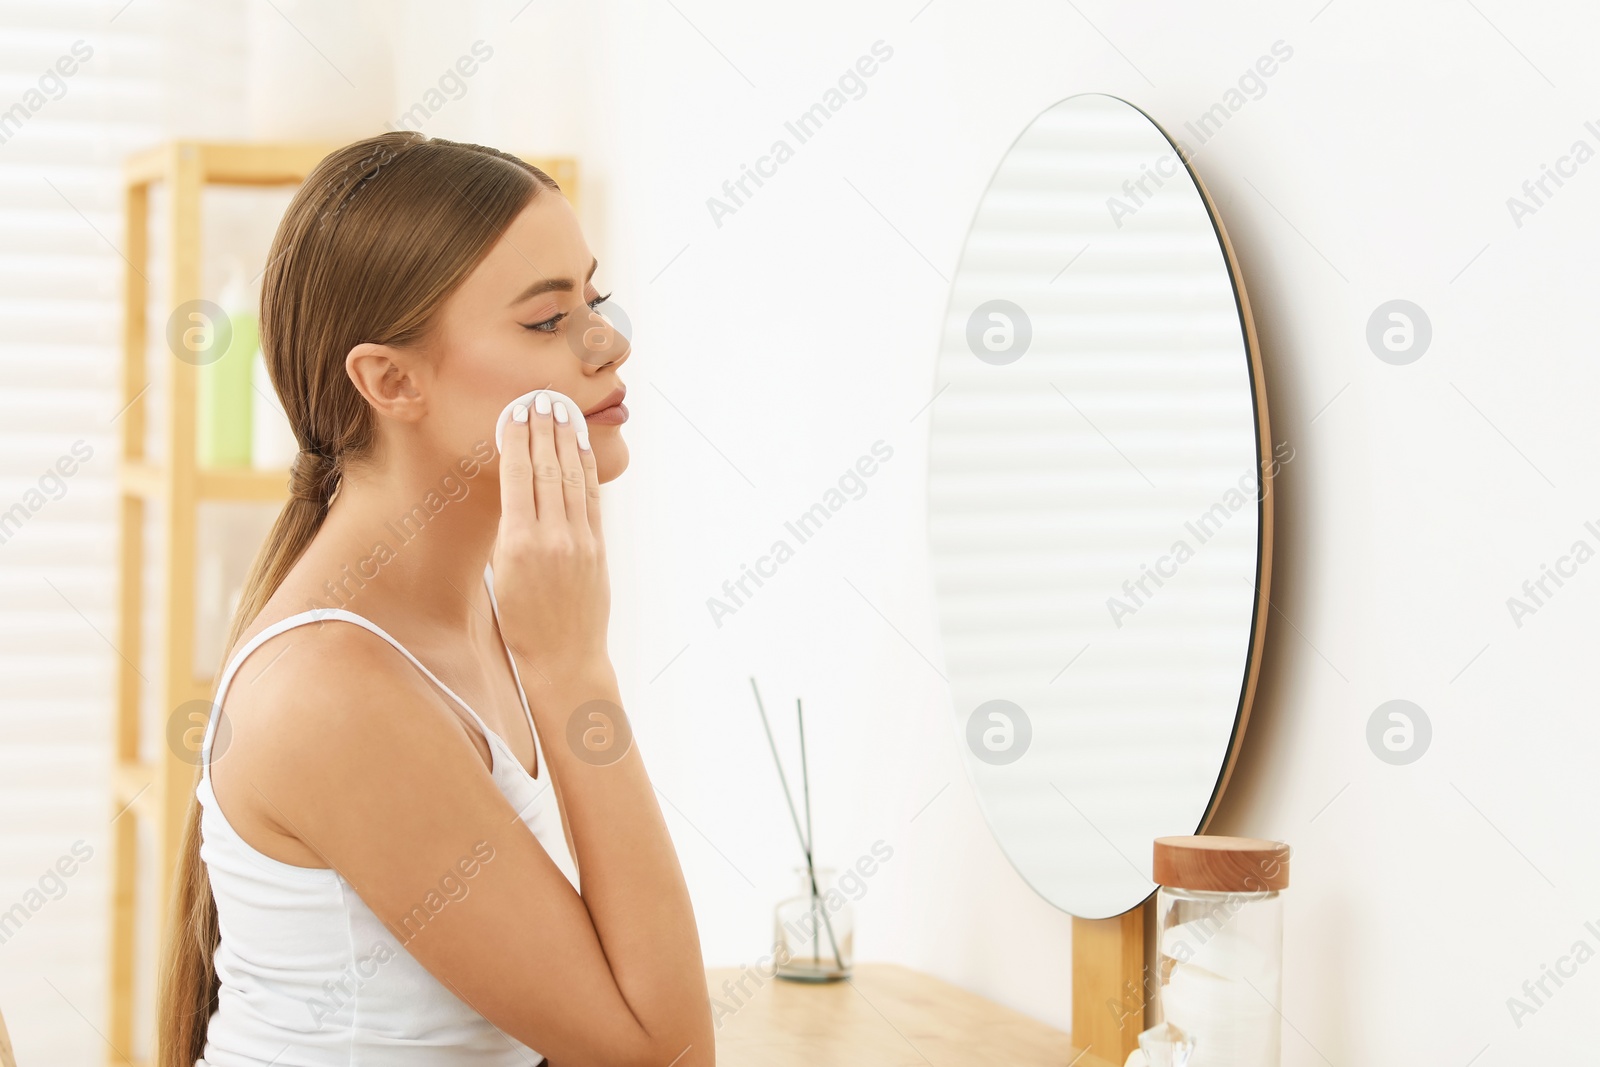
[417,745]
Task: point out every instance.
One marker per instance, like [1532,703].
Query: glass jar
[814,932]
[1219,956]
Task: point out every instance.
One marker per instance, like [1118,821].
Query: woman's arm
[552,584]
[362,760]
[633,887]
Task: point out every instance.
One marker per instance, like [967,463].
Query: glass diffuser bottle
[814,934]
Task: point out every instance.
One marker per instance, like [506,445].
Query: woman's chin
[610,454]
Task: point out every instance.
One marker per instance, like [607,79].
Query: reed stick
[805,842]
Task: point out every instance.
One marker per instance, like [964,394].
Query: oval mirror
[1099,502]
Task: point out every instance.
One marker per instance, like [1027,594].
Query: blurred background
[779,332]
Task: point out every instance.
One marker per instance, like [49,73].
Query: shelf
[134,787]
[140,479]
[228,162]
[243,483]
[148,480]
[245,163]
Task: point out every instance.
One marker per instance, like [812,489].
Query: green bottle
[223,434]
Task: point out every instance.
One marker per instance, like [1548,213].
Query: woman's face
[523,320]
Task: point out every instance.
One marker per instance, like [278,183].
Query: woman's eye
[549,325]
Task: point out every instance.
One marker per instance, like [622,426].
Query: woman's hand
[633,986]
[550,576]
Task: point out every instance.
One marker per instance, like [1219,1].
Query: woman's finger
[572,487]
[516,470]
[591,486]
[546,463]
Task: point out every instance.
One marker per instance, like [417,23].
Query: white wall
[772,351]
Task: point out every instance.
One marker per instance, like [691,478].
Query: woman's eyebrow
[545,285]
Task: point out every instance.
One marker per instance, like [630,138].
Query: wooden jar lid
[1221,864]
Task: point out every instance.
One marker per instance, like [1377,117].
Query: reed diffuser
[813,932]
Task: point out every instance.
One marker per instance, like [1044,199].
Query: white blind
[82,84]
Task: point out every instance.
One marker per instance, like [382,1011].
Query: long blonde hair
[379,234]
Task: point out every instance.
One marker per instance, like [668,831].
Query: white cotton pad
[1225,951]
[1232,1024]
[578,423]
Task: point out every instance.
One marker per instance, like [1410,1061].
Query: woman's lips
[615,415]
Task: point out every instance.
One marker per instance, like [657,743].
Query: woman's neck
[399,545]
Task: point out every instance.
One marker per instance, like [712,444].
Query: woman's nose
[601,342]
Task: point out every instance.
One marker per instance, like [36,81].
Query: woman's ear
[389,379]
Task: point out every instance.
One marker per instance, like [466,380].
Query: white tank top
[309,975]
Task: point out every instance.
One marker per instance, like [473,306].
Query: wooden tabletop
[884,1016]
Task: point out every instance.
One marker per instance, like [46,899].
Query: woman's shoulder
[327,668]
[323,637]
[321,718]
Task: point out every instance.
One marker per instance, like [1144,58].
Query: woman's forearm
[631,882]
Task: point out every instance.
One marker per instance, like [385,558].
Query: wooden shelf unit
[160,791]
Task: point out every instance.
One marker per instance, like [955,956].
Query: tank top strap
[516,675]
[315,615]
